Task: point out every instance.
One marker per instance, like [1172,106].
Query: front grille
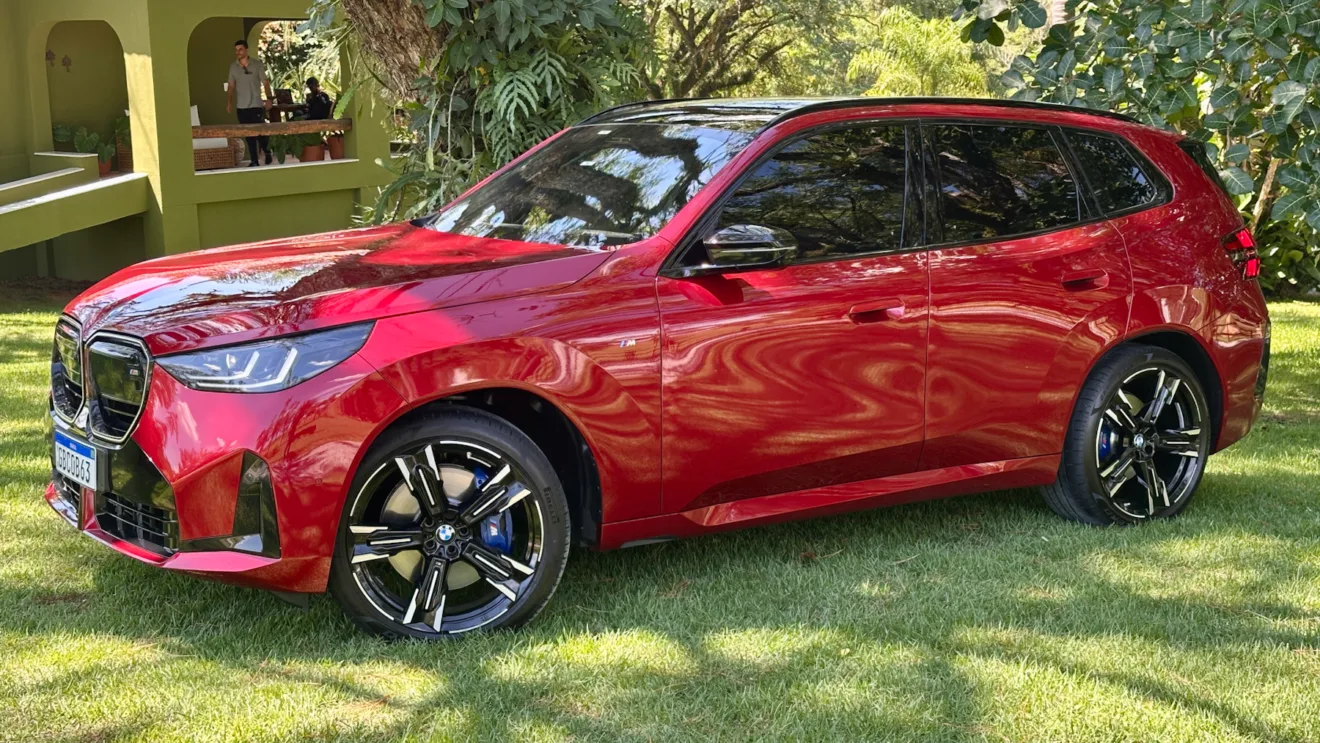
[118,370]
[152,528]
[66,379]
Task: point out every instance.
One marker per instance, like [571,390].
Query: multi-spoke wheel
[455,522]
[1138,442]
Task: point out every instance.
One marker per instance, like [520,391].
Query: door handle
[1085,280]
[869,312]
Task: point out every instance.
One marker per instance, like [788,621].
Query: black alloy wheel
[1138,443]
[459,524]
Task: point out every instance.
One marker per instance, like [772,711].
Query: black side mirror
[745,247]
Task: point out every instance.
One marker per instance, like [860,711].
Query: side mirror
[746,247]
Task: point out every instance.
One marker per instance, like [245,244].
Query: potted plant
[62,134]
[313,148]
[90,143]
[123,136]
[334,141]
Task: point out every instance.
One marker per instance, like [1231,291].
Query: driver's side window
[838,193]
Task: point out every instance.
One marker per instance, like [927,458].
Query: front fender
[434,355]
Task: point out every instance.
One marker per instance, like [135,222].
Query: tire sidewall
[486,430]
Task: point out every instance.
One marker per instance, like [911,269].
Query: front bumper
[173,496]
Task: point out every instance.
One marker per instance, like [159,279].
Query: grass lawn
[978,618]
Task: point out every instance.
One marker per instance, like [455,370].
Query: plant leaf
[1237,181]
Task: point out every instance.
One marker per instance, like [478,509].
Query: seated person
[319,105]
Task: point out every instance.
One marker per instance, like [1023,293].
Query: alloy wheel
[446,537]
[1151,444]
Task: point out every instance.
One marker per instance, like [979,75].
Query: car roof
[757,114]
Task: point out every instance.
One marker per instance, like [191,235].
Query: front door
[812,374]
[1026,290]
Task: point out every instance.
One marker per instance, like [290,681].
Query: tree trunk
[394,34]
[1266,194]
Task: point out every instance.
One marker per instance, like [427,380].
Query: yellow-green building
[83,63]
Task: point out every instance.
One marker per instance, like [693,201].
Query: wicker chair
[208,154]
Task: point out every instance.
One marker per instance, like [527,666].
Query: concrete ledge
[39,185]
[69,210]
[47,162]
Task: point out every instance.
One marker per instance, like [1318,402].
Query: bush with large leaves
[482,80]
[1241,75]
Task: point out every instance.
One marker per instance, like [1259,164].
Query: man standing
[247,80]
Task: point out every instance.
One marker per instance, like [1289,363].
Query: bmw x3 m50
[674,318]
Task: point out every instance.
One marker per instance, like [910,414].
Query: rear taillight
[1241,247]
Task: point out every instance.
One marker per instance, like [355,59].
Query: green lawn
[979,618]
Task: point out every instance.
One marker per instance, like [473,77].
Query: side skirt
[886,491]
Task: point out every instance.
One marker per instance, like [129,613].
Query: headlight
[266,366]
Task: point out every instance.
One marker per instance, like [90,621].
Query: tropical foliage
[489,79]
[1241,75]
[910,55]
[705,48]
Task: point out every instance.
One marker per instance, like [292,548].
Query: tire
[1121,434]
[456,521]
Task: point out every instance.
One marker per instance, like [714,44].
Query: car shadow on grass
[862,625]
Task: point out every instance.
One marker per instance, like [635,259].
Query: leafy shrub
[1241,75]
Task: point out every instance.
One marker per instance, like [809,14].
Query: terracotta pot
[312,154]
[336,145]
[104,167]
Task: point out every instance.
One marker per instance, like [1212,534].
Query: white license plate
[76,460]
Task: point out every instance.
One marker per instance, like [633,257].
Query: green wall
[13,123]
[210,52]
[93,92]
[95,253]
[230,222]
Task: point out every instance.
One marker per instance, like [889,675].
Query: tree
[1241,75]
[908,55]
[705,48]
[483,80]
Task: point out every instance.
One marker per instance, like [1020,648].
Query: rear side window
[999,181]
[1117,177]
[839,193]
[1196,151]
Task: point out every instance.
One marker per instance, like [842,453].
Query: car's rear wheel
[456,521]
[1138,441]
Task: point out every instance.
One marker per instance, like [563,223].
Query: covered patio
[165,64]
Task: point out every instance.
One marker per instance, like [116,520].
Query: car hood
[243,293]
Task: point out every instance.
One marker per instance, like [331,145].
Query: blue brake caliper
[497,530]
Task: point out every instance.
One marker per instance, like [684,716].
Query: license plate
[76,460]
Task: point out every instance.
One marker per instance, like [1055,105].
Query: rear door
[811,374]
[1027,287]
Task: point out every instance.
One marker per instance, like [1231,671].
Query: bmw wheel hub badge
[445,532]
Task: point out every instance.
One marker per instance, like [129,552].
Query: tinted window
[1196,151]
[839,193]
[596,185]
[1116,177]
[997,181]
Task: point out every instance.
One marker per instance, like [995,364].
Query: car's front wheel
[1138,441]
[456,521]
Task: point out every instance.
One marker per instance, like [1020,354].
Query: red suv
[673,319]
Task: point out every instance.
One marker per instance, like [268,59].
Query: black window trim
[1085,211]
[914,192]
[1148,168]
[927,193]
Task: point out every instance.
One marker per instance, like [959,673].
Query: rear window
[1196,151]
[1117,176]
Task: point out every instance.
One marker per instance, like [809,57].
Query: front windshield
[596,186]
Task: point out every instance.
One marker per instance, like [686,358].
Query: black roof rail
[837,103]
[829,104]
